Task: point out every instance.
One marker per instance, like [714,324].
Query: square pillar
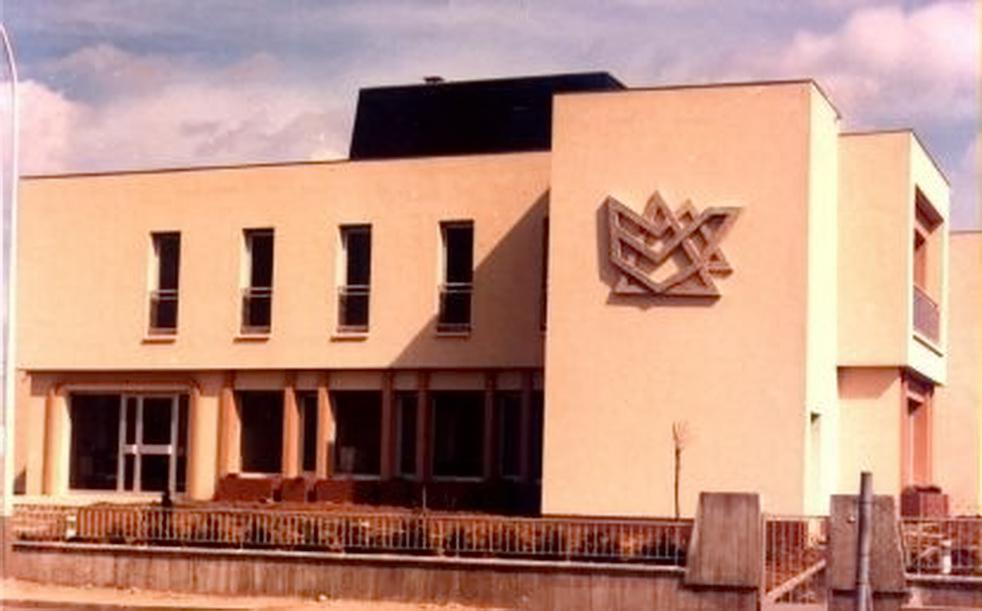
[57,442]
[525,434]
[490,430]
[325,428]
[30,437]
[291,429]
[424,451]
[229,430]
[202,455]
[387,465]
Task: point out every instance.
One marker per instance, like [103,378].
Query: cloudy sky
[122,84]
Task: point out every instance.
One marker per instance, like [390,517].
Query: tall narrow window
[407,404]
[356,246]
[261,437]
[164,275]
[508,409]
[257,296]
[358,432]
[458,434]
[308,430]
[458,276]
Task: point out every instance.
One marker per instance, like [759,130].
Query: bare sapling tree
[680,439]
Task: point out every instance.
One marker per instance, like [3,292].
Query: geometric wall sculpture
[665,253]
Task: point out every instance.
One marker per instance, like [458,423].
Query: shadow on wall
[609,275]
[506,318]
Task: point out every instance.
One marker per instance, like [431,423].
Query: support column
[388,427]
[490,430]
[202,454]
[229,430]
[424,451]
[290,464]
[325,428]
[57,443]
[31,437]
[525,435]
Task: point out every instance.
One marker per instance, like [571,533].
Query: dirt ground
[15,594]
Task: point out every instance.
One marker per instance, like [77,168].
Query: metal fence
[795,550]
[659,542]
[946,546]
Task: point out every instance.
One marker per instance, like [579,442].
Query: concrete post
[387,449]
[57,443]
[202,454]
[325,428]
[290,464]
[887,581]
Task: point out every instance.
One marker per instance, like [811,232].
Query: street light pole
[8,256]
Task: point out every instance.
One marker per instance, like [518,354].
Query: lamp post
[8,282]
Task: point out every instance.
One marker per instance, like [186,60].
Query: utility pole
[8,283]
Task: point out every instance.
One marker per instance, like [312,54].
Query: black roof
[455,118]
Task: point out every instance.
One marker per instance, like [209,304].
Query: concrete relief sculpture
[665,253]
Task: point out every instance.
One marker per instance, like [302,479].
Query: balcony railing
[455,307]
[943,546]
[163,312]
[658,542]
[353,308]
[257,309]
[927,316]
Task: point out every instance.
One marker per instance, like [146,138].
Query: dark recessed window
[407,405]
[164,282]
[128,442]
[458,434]
[307,402]
[458,276]
[353,294]
[95,442]
[358,431]
[257,296]
[508,410]
[261,421]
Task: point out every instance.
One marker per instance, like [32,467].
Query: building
[514,290]
[958,437]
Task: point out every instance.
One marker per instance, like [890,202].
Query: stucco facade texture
[788,384]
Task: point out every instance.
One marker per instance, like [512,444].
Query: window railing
[257,309]
[455,307]
[163,312]
[642,541]
[927,315]
[353,308]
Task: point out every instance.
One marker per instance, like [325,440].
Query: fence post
[725,550]
[887,581]
[864,597]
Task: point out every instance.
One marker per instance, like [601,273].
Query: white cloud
[887,64]
[231,114]
[966,186]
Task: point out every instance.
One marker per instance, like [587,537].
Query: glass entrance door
[148,443]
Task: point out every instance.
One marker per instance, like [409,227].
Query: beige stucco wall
[874,241]
[957,405]
[924,356]
[821,394]
[85,244]
[878,175]
[869,418]
[621,370]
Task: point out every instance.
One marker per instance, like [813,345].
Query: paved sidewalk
[16,594]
